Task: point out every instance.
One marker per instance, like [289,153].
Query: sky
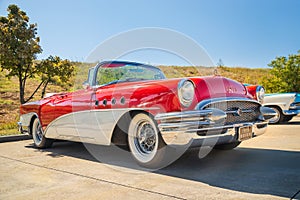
[247,33]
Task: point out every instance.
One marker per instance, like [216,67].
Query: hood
[217,87]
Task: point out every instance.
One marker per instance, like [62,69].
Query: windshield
[126,72]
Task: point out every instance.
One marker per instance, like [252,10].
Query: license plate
[245,133]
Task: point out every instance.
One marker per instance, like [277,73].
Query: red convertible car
[134,104]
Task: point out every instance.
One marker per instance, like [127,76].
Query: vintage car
[286,106]
[128,103]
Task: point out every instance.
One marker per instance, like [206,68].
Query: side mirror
[85,85]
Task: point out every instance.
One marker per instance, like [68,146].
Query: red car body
[257,91]
[180,111]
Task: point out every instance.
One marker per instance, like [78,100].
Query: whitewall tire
[40,141]
[145,142]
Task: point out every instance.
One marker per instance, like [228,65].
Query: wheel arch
[276,106]
[27,121]
[120,131]
[31,124]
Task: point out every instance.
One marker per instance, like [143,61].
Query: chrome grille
[237,111]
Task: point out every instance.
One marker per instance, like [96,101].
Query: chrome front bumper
[198,126]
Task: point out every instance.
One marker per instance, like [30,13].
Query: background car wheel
[287,118]
[38,135]
[145,143]
[278,117]
[228,146]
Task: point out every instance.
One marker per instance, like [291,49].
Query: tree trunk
[34,92]
[22,88]
[44,89]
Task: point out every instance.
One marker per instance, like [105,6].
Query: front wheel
[145,143]
[40,141]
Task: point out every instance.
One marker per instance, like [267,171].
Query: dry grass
[243,75]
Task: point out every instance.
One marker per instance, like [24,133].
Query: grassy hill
[243,75]
[9,96]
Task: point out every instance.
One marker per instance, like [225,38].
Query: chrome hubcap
[145,138]
[39,132]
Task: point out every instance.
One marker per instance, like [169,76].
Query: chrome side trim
[291,112]
[295,106]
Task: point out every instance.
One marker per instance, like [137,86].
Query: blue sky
[247,33]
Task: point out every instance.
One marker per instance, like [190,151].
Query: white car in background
[286,106]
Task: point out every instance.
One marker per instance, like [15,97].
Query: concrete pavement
[266,167]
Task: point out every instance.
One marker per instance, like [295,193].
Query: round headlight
[260,93]
[186,92]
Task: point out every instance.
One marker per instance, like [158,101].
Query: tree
[56,71]
[220,63]
[284,75]
[19,46]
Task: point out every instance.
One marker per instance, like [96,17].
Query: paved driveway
[266,167]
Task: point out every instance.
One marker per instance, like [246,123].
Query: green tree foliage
[284,75]
[19,46]
[56,71]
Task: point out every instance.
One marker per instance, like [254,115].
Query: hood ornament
[216,73]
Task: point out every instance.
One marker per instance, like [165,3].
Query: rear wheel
[228,146]
[40,141]
[279,117]
[145,142]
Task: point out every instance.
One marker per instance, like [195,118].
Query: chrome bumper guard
[21,128]
[182,128]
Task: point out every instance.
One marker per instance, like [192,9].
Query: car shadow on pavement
[258,171]
[287,123]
